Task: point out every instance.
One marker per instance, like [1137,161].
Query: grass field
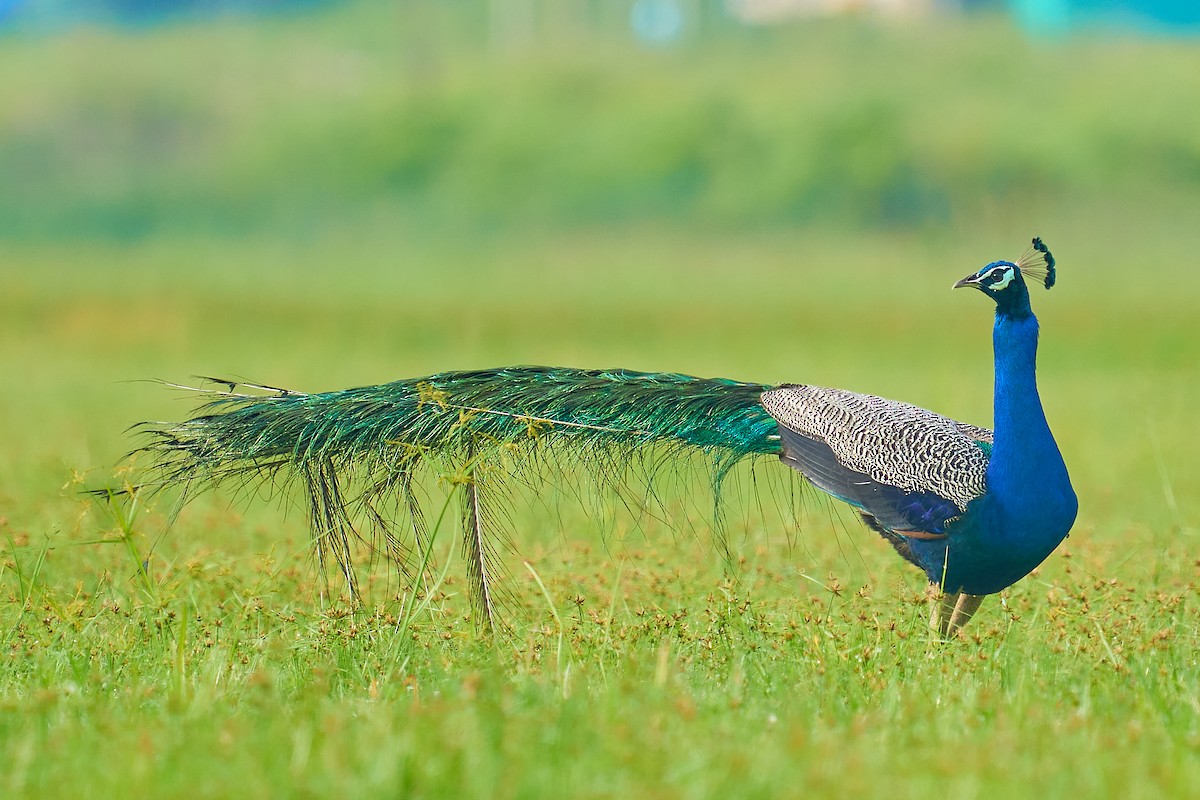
[160,220]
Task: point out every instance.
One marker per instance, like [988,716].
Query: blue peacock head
[1004,281]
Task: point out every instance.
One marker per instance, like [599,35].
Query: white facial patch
[1004,281]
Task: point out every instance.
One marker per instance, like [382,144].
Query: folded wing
[910,470]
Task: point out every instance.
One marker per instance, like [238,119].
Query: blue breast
[1030,505]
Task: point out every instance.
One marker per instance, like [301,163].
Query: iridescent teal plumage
[453,412]
[358,452]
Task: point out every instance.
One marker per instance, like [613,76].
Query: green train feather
[377,439]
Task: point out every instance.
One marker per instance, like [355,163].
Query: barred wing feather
[910,469]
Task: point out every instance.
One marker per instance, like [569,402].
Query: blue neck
[1029,505]
[1026,475]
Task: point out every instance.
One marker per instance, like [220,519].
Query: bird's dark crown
[1004,281]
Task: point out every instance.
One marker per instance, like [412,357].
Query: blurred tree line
[422,114]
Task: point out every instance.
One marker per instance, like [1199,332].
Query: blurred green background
[360,192]
[348,193]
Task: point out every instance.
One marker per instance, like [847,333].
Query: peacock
[975,509]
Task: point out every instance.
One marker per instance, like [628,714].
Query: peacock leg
[964,609]
[941,608]
[952,610]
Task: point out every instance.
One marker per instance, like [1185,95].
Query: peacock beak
[970,280]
